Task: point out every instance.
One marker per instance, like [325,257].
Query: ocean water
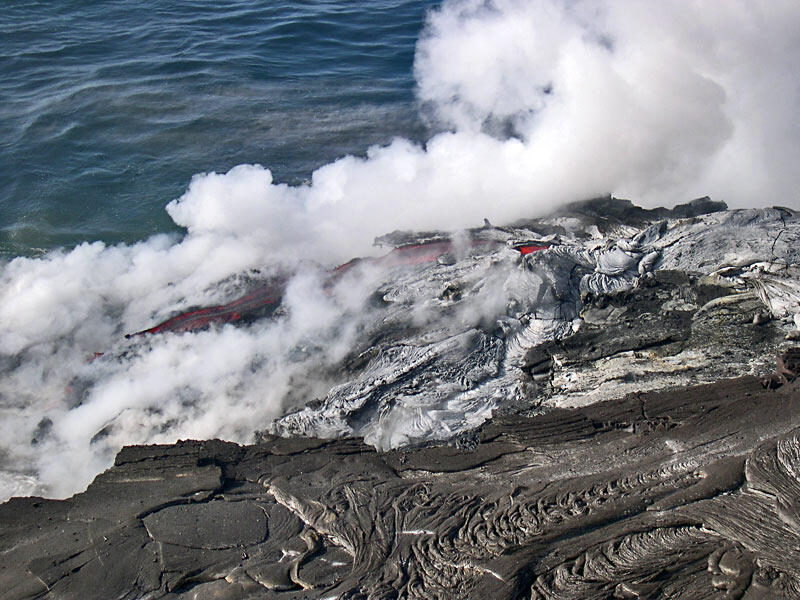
[158,156]
[107,108]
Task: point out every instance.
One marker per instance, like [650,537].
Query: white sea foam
[545,102]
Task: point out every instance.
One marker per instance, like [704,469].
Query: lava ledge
[691,493]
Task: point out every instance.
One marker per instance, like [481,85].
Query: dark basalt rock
[689,493]
[624,211]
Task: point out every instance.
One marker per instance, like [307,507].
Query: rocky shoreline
[615,414]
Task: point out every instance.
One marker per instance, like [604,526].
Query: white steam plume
[544,102]
[655,100]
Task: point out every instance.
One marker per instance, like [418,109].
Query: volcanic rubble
[601,403]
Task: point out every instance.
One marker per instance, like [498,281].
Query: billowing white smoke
[542,101]
[657,101]
[65,413]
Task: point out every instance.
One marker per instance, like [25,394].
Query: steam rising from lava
[540,102]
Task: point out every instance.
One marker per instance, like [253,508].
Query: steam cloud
[541,101]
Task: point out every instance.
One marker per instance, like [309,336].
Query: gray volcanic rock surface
[622,299]
[601,418]
[691,493]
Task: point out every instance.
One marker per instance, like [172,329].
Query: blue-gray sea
[108,108]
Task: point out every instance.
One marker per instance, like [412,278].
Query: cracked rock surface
[691,493]
[621,299]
